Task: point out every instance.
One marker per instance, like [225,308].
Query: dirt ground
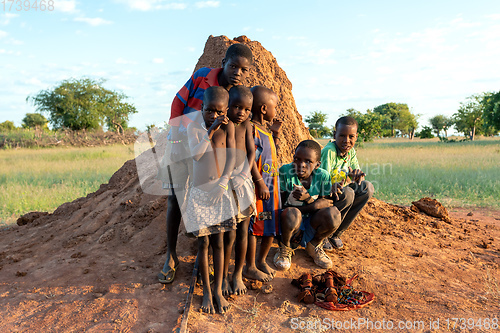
[67,277]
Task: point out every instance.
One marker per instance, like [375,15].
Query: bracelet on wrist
[255,181]
[225,187]
[175,141]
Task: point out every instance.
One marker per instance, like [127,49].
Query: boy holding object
[350,191]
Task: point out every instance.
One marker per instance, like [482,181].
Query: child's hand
[300,193]
[276,127]
[215,195]
[222,119]
[237,183]
[262,190]
[337,189]
[356,175]
[322,203]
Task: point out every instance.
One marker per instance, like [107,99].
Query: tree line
[77,104]
[479,114]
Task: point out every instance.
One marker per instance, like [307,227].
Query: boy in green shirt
[304,187]
[349,189]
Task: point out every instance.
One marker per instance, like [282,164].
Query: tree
[394,116]
[491,103]
[34,120]
[437,123]
[426,133]
[316,121]
[407,122]
[83,104]
[469,117]
[369,123]
[441,122]
[7,126]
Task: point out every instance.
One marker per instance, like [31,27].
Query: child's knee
[290,218]
[349,194]
[369,188]
[203,243]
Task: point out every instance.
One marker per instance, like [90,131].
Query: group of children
[223,174]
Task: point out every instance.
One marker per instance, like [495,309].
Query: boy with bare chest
[240,106]
[210,208]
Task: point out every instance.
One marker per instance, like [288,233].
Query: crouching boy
[350,190]
[308,217]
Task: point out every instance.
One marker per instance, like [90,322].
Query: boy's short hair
[346,120]
[311,144]
[239,50]
[261,96]
[240,91]
[213,93]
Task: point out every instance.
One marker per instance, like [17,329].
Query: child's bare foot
[264,267]
[239,286]
[255,274]
[226,287]
[207,305]
[221,303]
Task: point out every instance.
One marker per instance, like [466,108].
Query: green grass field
[43,179]
[464,174]
[460,174]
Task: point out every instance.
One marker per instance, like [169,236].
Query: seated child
[240,106]
[210,205]
[304,186]
[339,159]
[265,175]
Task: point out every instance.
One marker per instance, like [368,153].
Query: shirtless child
[267,187]
[240,106]
[210,205]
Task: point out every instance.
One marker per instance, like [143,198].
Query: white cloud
[158,60]
[493,16]
[207,4]
[3,34]
[5,18]
[173,6]
[122,61]
[96,21]
[65,6]
[34,82]
[146,5]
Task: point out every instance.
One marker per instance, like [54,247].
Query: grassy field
[43,179]
[460,174]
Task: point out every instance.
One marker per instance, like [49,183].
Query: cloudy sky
[338,54]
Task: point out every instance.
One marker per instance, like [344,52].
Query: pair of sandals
[322,287]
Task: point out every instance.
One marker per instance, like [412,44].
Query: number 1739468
[27,5]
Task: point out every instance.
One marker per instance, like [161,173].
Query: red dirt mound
[266,72]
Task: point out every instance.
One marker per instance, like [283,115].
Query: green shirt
[336,165]
[320,184]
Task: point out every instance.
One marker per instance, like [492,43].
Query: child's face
[239,109]
[345,137]
[271,109]
[305,161]
[236,70]
[213,109]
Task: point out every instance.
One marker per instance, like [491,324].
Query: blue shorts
[305,230]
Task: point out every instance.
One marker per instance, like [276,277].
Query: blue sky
[337,54]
